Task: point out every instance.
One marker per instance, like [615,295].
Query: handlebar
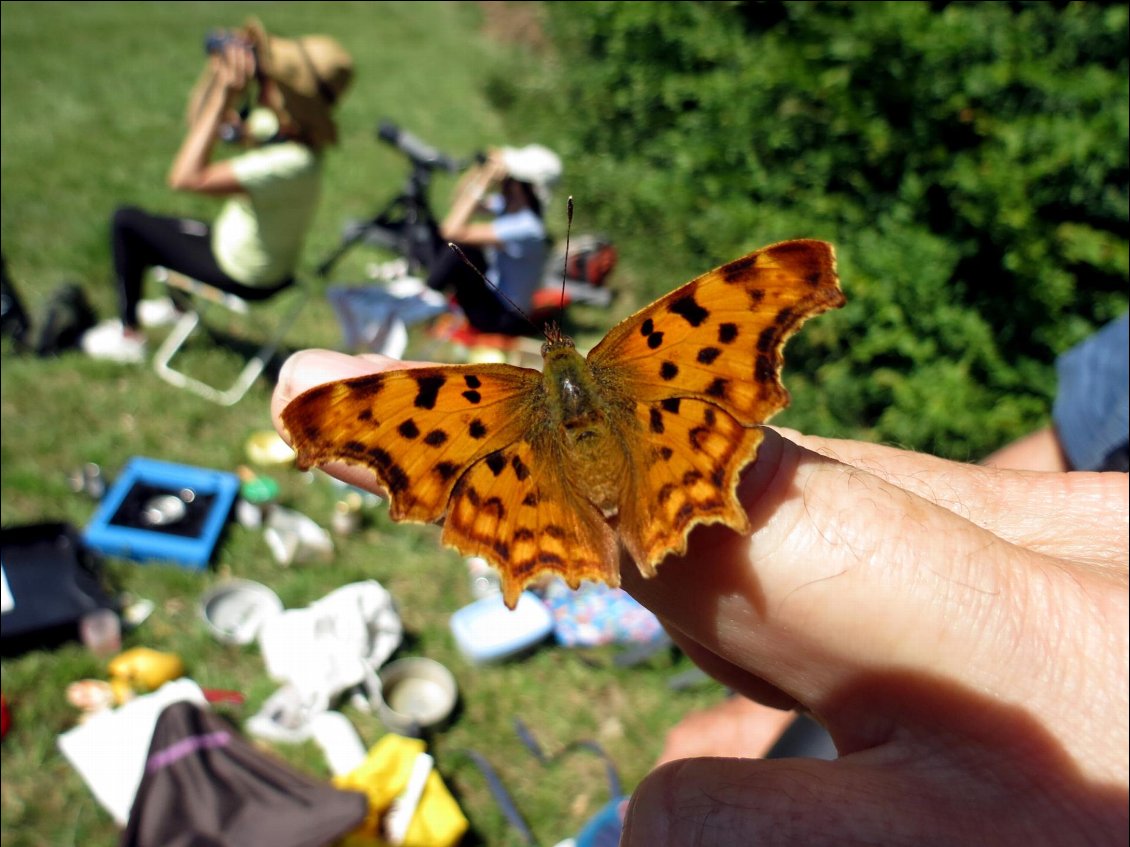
[423,155]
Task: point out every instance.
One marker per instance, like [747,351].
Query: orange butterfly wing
[516,510]
[703,365]
[417,430]
[720,337]
[452,442]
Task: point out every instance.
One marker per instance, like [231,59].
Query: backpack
[69,315]
[591,259]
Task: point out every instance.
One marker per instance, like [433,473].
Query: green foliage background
[969,160]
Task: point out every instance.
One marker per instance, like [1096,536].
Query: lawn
[92,104]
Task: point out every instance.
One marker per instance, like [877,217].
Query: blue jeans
[1092,406]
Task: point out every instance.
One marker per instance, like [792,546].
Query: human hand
[960,631]
[234,66]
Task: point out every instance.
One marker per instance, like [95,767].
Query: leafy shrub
[969,160]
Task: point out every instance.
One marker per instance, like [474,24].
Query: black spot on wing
[656,422]
[654,340]
[647,327]
[408,430]
[664,493]
[689,310]
[472,381]
[365,415]
[428,392]
[446,470]
[671,404]
[707,355]
[369,385]
[391,473]
[739,269]
[496,462]
[756,295]
[520,469]
[668,370]
[727,332]
[477,429]
[718,388]
[435,438]
[472,396]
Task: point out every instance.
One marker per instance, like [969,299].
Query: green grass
[92,103]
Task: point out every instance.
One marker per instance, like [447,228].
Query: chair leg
[188,323]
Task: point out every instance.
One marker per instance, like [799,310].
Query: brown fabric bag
[207,786]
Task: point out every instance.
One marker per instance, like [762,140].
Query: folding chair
[205,297]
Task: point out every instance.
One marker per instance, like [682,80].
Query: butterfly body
[630,447]
[586,419]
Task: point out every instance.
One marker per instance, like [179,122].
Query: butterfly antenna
[490,284]
[565,265]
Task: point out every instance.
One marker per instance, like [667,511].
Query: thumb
[731,802]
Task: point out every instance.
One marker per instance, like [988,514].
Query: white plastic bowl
[235,610]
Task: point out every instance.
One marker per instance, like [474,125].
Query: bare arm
[458,226]
[193,168]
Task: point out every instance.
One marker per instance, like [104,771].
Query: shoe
[110,341]
[152,314]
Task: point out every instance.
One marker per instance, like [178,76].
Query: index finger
[309,368]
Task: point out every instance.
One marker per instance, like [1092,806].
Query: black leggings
[484,309]
[141,241]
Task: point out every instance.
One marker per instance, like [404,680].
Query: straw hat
[311,73]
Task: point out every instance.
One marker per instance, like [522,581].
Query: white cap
[535,164]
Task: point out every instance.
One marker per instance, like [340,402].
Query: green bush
[969,160]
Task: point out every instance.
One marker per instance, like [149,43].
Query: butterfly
[632,446]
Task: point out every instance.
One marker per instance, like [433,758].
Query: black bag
[13,317]
[68,316]
[207,786]
[54,581]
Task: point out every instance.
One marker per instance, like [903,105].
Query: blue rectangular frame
[144,545]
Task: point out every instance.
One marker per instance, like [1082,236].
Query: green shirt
[257,238]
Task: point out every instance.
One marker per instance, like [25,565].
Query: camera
[217,39]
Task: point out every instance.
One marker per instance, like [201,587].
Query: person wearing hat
[275,97]
[511,187]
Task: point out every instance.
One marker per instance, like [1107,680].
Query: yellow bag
[438,822]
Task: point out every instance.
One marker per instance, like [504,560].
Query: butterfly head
[555,339]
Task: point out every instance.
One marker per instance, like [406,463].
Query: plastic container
[417,695]
[486,631]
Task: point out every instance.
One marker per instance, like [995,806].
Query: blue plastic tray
[189,544]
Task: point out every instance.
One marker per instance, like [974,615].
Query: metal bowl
[236,609]
[417,695]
